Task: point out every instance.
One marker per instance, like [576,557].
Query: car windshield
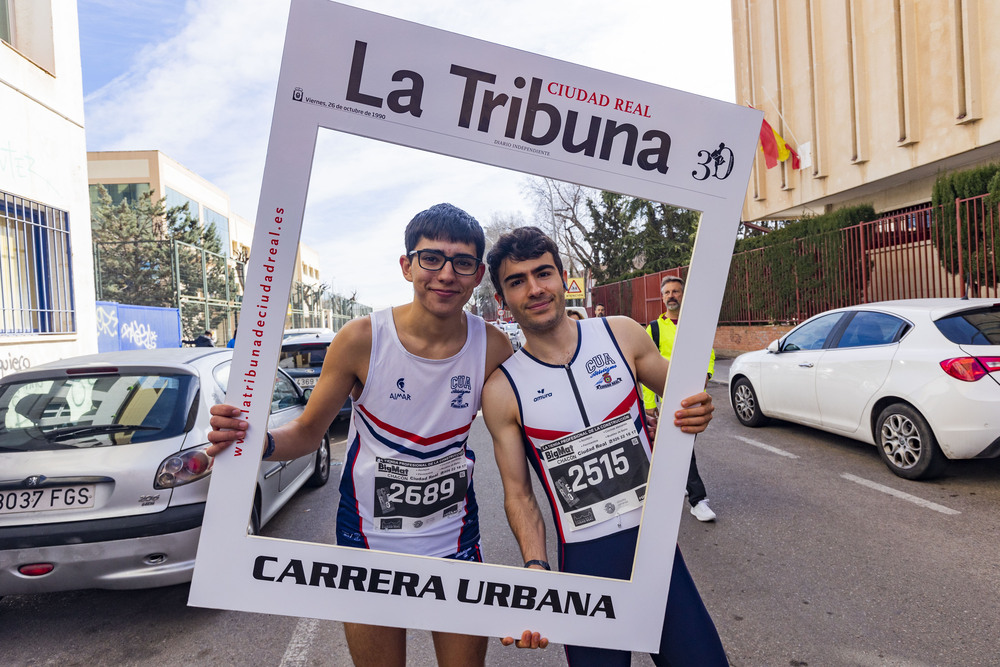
[305,355]
[77,412]
[972,327]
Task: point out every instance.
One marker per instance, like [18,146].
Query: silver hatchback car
[103,473]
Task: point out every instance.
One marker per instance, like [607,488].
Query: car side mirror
[306,393]
[773,346]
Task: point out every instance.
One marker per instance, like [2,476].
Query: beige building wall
[878,97]
[241,236]
[160,171]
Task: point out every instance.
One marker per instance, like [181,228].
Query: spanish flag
[775,148]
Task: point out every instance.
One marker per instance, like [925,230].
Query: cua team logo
[607,378]
[602,362]
[460,386]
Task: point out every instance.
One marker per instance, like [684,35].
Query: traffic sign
[575,288]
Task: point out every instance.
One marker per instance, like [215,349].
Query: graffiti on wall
[20,165]
[107,321]
[139,334]
[13,362]
[126,327]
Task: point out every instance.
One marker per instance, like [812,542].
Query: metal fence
[206,287]
[943,251]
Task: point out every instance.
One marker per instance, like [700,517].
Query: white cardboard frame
[708,154]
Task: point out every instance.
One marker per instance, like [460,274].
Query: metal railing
[206,287]
[943,251]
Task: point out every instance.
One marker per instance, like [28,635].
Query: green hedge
[812,226]
[980,248]
[802,263]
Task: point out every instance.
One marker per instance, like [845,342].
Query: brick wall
[732,341]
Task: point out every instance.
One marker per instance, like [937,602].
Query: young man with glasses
[415,373]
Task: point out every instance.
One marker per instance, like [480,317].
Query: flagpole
[783,121]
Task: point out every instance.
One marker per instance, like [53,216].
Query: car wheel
[907,445]
[321,474]
[746,405]
[253,526]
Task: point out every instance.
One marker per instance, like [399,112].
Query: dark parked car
[302,357]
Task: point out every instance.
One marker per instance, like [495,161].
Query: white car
[103,474]
[323,331]
[919,379]
[513,331]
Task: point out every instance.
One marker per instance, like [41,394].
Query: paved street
[820,557]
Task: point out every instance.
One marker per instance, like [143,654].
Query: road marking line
[297,652]
[899,494]
[773,450]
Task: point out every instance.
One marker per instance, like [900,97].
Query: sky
[195,79]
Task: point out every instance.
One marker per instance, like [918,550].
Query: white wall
[43,158]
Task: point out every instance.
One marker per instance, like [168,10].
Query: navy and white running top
[406,486]
[584,434]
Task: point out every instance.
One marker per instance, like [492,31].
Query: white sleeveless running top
[595,484]
[406,485]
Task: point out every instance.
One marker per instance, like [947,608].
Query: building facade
[131,174]
[877,98]
[46,272]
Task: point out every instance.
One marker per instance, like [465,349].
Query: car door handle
[807,364]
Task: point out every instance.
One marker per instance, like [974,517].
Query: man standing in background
[206,339]
[663,330]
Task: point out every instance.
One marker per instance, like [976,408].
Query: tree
[133,261]
[137,243]
[202,266]
[614,235]
[601,232]
[667,238]
[560,210]
[485,305]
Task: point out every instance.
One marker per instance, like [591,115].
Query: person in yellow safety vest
[663,330]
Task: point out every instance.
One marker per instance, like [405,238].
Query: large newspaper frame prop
[370,75]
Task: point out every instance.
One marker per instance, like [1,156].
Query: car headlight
[183,468]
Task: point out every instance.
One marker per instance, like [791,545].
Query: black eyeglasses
[434,260]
